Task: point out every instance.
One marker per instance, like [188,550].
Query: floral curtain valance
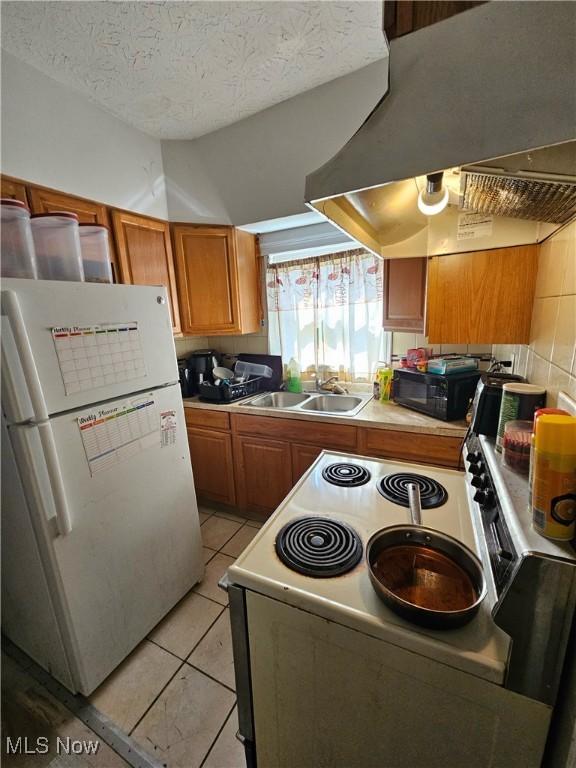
[326,313]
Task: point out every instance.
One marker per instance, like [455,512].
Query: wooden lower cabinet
[212,464]
[439,450]
[252,462]
[303,456]
[263,470]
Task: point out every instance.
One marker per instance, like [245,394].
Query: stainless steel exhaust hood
[493,81]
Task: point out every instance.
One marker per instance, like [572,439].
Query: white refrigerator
[100,529]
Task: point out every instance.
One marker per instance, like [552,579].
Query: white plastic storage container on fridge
[95,253]
[17,256]
[57,245]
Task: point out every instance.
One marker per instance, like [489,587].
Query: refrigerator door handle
[11,309]
[63,518]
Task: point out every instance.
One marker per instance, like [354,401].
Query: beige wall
[550,358]
[53,136]
[255,168]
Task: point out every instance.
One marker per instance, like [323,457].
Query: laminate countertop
[373,415]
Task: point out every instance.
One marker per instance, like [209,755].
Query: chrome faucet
[337,389]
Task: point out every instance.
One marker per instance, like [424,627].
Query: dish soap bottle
[294,383]
[385,376]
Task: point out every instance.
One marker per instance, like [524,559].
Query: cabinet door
[13,189]
[145,255]
[263,471]
[211,455]
[404,294]
[207,279]
[482,297]
[88,212]
[303,456]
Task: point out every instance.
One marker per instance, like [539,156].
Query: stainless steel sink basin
[278,400]
[333,403]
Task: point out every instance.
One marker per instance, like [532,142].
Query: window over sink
[325,312]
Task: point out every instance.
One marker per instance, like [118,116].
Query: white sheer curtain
[326,313]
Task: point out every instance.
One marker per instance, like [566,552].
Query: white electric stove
[327,675]
[480,648]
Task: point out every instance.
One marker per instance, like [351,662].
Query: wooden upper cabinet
[218,285]
[49,201]
[13,189]
[483,297]
[88,212]
[404,294]
[145,255]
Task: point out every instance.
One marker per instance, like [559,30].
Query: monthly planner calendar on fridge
[97,355]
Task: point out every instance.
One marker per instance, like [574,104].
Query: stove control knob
[473,457]
[475,469]
[478,481]
[480,496]
[489,498]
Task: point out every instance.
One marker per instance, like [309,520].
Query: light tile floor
[175,693]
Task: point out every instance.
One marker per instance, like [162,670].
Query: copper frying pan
[424,575]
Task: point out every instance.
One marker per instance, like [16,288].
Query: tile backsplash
[252,343]
[550,358]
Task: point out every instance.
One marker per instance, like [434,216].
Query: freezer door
[66,345]
[133,545]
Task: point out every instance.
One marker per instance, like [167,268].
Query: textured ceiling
[181,69]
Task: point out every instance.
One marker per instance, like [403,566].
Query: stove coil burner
[345,475]
[319,547]
[395,489]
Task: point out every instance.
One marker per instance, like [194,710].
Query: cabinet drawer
[337,436]
[414,446]
[196,417]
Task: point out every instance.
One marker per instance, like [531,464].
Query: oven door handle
[242,672]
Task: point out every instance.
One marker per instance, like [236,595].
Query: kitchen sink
[278,400]
[335,405]
[332,403]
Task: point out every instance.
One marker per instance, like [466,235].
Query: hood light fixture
[434,198]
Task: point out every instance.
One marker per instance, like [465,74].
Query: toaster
[486,404]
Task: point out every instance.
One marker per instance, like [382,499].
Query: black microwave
[441,396]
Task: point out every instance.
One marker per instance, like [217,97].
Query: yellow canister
[554,477]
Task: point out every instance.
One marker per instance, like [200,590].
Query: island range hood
[489,93]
